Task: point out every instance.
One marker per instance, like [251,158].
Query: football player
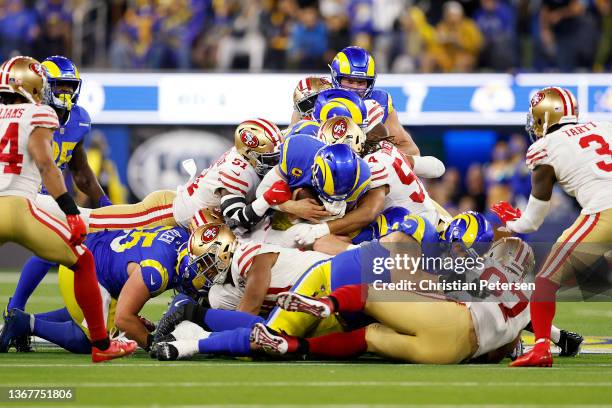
[422,328]
[27,126]
[132,267]
[305,95]
[68,152]
[353,69]
[579,159]
[228,184]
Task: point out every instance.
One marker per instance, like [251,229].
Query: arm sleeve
[238,214]
[270,178]
[532,218]
[428,166]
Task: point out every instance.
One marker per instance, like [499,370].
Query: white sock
[186,348]
[555,334]
[32,319]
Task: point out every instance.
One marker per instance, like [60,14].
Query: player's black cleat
[23,344]
[16,324]
[569,343]
[169,321]
[153,350]
[167,352]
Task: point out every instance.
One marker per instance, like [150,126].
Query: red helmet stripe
[570,101]
[562,95]
[257,122]
[308,83]
[9,65]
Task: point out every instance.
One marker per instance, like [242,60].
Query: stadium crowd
[403,35]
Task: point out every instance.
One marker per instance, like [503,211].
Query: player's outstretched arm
[542,182]
[401,138]
[258,282]
[84,177]
[132,298]
[366,211]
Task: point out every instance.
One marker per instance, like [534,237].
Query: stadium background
[167,80]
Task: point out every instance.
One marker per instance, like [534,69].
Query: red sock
[88,296]
[339,345]
[542,307]
[350,298]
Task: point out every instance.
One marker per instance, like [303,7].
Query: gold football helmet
[306,92]
[203,217]
[342,129]
[24,76]
[258,140]
[549,107]
[211,248]
[515,255]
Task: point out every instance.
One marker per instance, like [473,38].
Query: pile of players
[272,249]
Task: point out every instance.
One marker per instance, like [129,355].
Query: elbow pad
[532,217]
[428,166]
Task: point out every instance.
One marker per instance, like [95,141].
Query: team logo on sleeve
[339,129]
[537,98]
[210,233]
[249,139]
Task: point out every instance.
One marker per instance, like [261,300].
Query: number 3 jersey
[581,156]
[155,250]
[231,172]
[18,172]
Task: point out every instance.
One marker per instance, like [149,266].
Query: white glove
[306,234]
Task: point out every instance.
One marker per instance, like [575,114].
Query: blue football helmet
[354,62]
[335,172]
[468,228]
[340,102]
[64,81]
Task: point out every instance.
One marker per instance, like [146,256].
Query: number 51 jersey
[581,156]
[18,173]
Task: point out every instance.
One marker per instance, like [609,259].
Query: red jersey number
[9,153]
[602,150]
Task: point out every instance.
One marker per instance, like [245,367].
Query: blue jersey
[386,222]
[304,127]
[68,136]
[384,100]
[296,159]
[154,249]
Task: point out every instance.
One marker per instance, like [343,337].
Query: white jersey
[288,268]
[18,172]
[582,159]
[231,172]
[499,318]
[389,166]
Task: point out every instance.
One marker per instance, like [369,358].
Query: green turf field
[140,381]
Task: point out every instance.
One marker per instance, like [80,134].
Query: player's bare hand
[307,209]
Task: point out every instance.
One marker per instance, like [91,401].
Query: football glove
[506,212]
[77,228]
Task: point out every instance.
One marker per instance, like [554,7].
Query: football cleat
[153,349]
[16,324]
[294,302]
[539,356]
[569,343]
[23,344]
[517,351]
[117,349]
[177,350]
[169,321]
[270,341]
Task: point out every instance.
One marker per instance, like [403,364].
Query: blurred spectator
[277,24]
[459,39]
[244,39]
[498,174]
[308,41]
[475,187]
[496,21]
[133,42]
[18,28]
[412,38]
[603,59]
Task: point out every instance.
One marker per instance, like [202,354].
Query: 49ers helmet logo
[37,69]
[210,233]
[339,129]
[537,98]
[249,139]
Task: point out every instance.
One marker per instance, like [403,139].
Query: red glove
[78,231]
[278,193]
[506,212]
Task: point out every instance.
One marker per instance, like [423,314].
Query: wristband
[67,204]
[104,201]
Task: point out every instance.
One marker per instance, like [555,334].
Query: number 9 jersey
[19,175]
[581,156]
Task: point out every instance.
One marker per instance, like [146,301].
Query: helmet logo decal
[249,139]
[339,129]
[210,233]
[37,69]
[537,98]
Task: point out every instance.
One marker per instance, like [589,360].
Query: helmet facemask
[208,269]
